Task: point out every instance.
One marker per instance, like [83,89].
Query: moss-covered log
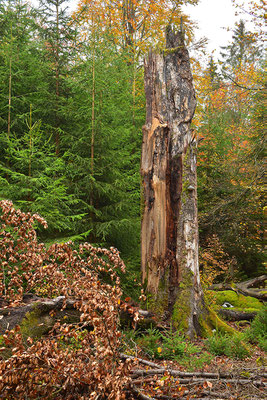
[37,315]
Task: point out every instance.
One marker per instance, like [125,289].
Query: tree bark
[169,250]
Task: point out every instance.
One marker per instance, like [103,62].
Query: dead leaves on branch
[75,360]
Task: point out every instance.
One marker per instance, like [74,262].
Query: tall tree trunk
[9,98]
[10,85]
[93,111]
[170,269]
[57,79]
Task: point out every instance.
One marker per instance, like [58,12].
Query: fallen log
[159,369]
[247,288]
[232,315]
[35,318]
[202,374]
[199,379]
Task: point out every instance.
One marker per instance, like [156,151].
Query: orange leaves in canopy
[132,23]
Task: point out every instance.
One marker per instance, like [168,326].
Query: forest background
[72,107]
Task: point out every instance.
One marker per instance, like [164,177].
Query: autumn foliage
[75,361]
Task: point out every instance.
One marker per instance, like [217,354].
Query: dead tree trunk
[170,268]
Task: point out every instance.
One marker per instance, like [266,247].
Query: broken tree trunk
[169,252]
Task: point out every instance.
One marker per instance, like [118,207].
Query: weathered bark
[169,253]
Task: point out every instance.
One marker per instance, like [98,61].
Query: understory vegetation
[83,358]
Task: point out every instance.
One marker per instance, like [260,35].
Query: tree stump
[169,252]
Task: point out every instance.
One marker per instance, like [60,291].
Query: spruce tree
[107,178]
[59,34]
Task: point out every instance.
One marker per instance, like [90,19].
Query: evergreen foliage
[71,111]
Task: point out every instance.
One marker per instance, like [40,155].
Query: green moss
[39,321]
[209,321]
[159,304]
[35,324]
[217,323]
[172,50]
[245,310]
[182,310]
[237,300]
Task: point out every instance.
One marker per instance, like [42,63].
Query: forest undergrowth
[95,358]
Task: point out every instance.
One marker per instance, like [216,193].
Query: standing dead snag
[170,269]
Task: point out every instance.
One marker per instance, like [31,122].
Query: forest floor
[222,378]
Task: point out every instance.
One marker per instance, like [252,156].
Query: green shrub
[217,344]
[259,324]
[257,333]
[167,345]
[231,346]
[196,361]
[150,342]
[262,342]
[236,348]
[175,346]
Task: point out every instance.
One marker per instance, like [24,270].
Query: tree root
[232,315]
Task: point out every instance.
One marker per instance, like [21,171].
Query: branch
[245,287]
[145,362]
[196,375]
[243,87]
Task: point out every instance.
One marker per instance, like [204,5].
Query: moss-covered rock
[35,323]
[38,317]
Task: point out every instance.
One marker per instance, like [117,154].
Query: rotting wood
[37,315]
[169,245]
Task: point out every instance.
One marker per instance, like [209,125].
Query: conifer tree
[21,67]
[242,49]
[58,31]
[107,179]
